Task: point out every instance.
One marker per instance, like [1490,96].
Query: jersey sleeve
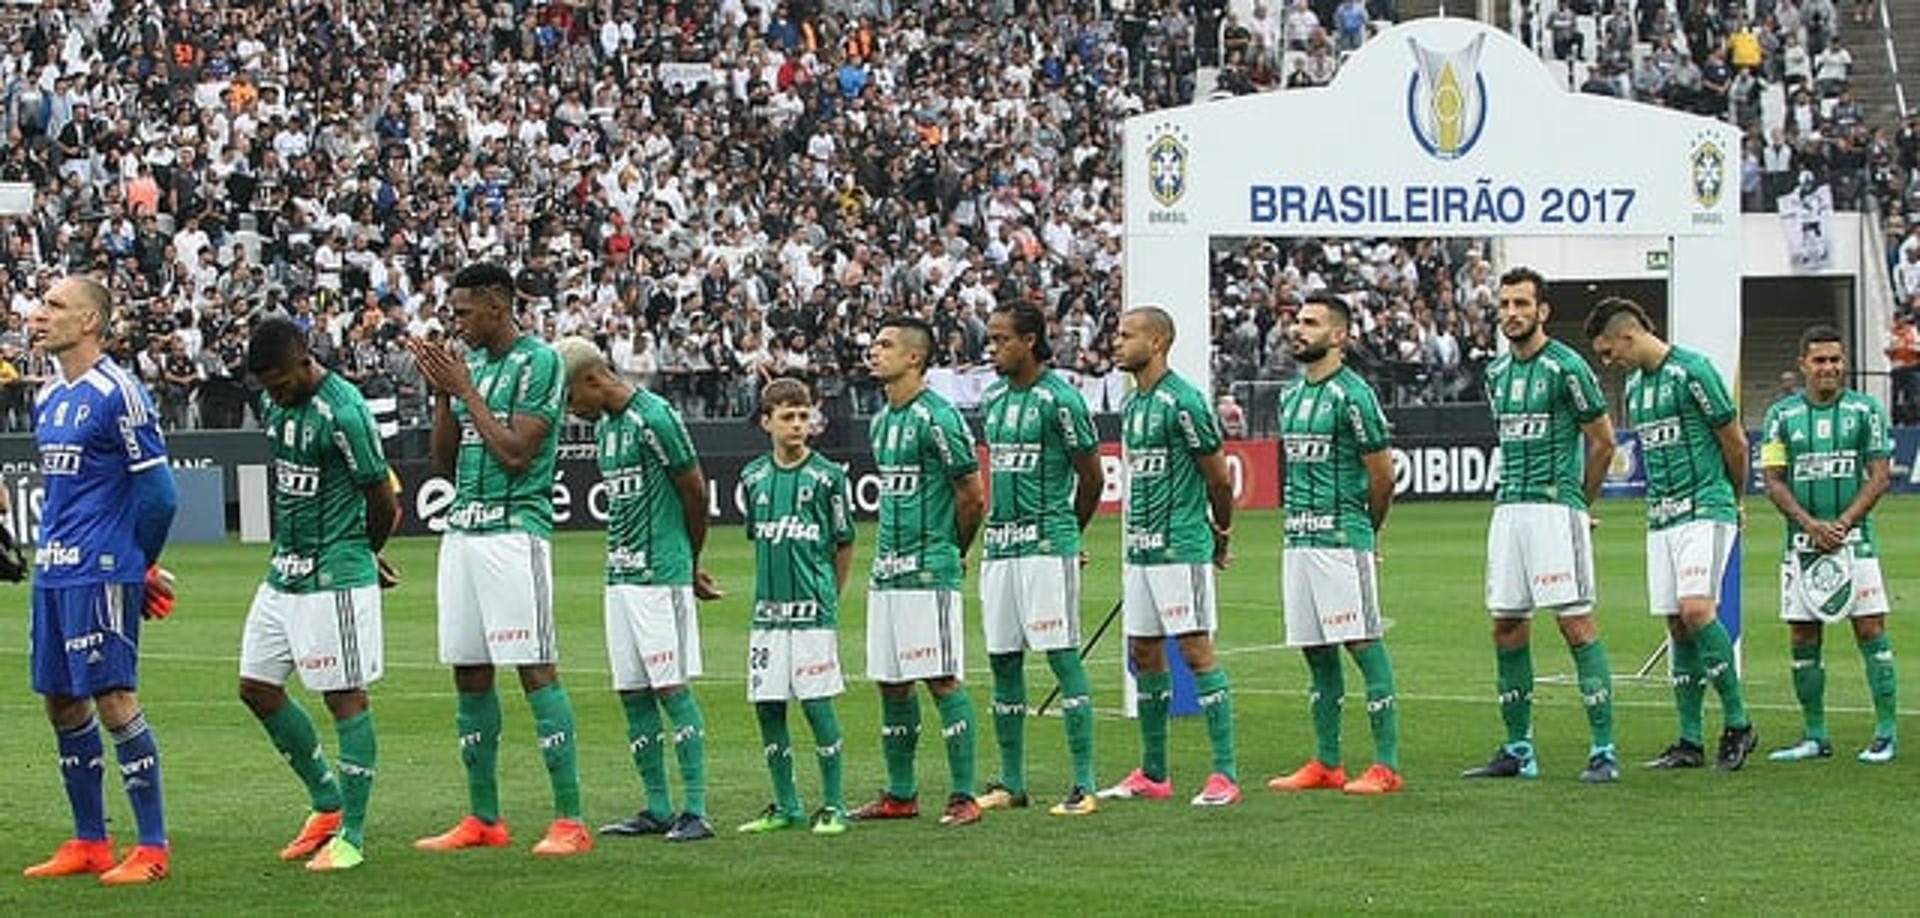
[139,425]
[354,434]
[1199,427]
[1879,436]
[1583,392]
[839,498]
[543,391]
[667,436]
[1076,424]
[1709,393]
[1773,440]
[1369,423]
[952,443]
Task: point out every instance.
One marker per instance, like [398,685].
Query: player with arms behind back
[319,610]
[1825,453]
[109,503]
[1696,458]
[801,524]
[1544,398]
[1046,487]
[1177,475]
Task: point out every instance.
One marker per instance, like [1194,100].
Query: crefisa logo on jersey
[1447,98]
[1167,172]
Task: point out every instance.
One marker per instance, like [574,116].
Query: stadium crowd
[722,193]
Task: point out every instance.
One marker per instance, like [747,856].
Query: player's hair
[579,355]
[274,344]
[485,275]
[1028,320]
[919,336]
[98,297]
[1334,304]
[1158,320]
[1521,274]
[1819,334]
[785,392]
[1611,315]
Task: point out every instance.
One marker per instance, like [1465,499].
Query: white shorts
[914,635]
[1869,593]
[496,600]
[799,664]
[1168,600]
[1539,556]
[1332,596]
[653,636]
[1030,603]
[332,637]
[1687,561]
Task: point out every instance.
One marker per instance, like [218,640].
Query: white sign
[16,198]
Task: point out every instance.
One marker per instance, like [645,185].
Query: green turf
[1773,838]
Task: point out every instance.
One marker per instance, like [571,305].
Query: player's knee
[261,698]
[1197,651]
[1147,654]
[1869,627]
[118,707]
[346,705]
[1579,630]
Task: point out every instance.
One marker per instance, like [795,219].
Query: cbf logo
[1708,171]
[1167,165]
[1447,99]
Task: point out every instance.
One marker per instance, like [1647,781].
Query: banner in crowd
[1806,220]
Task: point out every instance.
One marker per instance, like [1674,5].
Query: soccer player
[1177,473]
[930,507]
[656,527]
[1046,487]
[319,609]
[1696,458]
[1544,398]
[1825,453]
[109,503]
[802,530]
[496,419]
[1337,477]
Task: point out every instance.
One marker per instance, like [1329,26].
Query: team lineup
[498,409]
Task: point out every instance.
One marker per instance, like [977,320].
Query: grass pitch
[1829,835]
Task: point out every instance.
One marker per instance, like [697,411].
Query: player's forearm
[692,485]
[969,508]
[382,508]
[1086,496]
[1379,487]
[512,448]
[842,567]
[1869,494]
[1782,497]
[1599,460]
[1733,453]
[446,435]
[154,501]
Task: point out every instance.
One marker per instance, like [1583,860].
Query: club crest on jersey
[1823,428]
[806,494]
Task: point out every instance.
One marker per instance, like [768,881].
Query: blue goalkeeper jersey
[95,434]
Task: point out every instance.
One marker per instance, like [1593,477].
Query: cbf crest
[1447,98]
[1707,171]
[1167,165]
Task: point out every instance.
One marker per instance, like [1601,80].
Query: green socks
[1076,708]
[1596,690]
[956,727]
[1216,702]
[899,734]
[1716,657]
[1810,687]
[1690,690]
[689,747]
[1383,711]
[1325,701]
[1010,718]
[1515,682]
[778,748]
[292,733]
[826,738]
[1881,682]
[478,719]
[1156,696]
[357,754]
[646,740]
[553,724]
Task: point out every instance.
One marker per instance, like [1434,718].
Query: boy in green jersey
[319,610]
[1825,453]
[1046,486]
[656,527]
[1696,459]
[801,524]
[496,426]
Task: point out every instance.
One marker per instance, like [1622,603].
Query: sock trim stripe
[92,726]
[131,730]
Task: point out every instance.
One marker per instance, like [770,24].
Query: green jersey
[920,448]
[1539,405]
[1166,429]
[527,379]
[1325,429]
[1676,408]
[643,448]
[1824,450]
[326,452]
[1033,436]
[797,518]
